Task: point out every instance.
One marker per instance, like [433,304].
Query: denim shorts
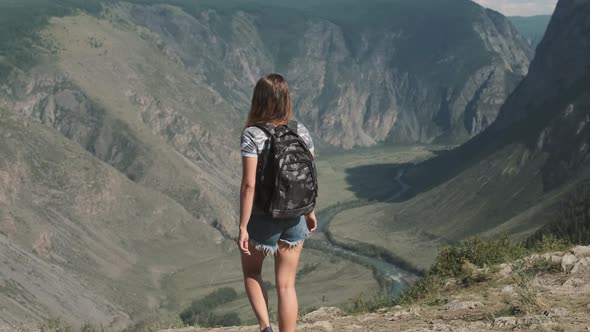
[265,232]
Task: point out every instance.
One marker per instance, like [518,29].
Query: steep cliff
[518,175]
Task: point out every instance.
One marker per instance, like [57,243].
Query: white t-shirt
[253,140]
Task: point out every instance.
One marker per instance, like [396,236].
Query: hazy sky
[520,7]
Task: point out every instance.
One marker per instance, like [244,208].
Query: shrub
[369,302]
[426,289]
[549,243]
[528,300]
[199,313]
[477,251]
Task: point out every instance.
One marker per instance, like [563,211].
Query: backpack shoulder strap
[294,126]
[267,129]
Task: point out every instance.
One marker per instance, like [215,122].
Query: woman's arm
[310,218]
[246,199]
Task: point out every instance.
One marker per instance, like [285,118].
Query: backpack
[286,177]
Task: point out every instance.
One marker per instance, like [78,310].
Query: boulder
[463,305]
[397,315]
[508,290]
[556,312]
[581,251]
[555,259]
[568,262]
[504,322]
[580,265]
[323,313]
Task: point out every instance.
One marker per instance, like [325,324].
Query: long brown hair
[271,101]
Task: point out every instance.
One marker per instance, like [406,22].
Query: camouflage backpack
[286,178]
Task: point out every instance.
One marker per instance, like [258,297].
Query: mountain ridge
[536,152]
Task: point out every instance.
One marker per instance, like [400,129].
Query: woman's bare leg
[252,269]
[285,270]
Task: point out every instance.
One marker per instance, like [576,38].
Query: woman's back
[260,233]
[254,140]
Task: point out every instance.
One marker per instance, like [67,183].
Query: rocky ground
[549,292]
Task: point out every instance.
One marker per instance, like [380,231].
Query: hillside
[518,176]
[531,27]
[81,241]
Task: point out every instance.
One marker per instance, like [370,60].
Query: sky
[520,7]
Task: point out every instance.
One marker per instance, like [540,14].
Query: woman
[260,235]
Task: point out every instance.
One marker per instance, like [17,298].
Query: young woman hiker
[262,233]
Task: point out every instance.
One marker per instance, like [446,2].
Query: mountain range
[120,123]
[526,175]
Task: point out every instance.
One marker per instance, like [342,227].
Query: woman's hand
[311,221]
[243,241]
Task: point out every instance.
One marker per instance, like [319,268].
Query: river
[394,277]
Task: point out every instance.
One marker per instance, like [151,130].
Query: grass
[328,281]
[469,262]
[337,181]
[479,252]
[20,21]
[573,219]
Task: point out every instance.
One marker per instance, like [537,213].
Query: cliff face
[400,72]
[552,100]
[559,67]
[528,169]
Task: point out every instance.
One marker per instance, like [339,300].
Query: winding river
[388,274]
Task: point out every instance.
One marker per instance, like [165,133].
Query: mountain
[529,171]
[361,72]
[531,27]
[159,89]
[79,240]
[121,120]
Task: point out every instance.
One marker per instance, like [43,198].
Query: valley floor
[533,294]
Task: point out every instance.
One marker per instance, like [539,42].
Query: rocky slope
[551,292]
[158,127]
[80,241]
[515,177]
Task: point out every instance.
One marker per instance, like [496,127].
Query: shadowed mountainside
[513,178]
[531,27]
